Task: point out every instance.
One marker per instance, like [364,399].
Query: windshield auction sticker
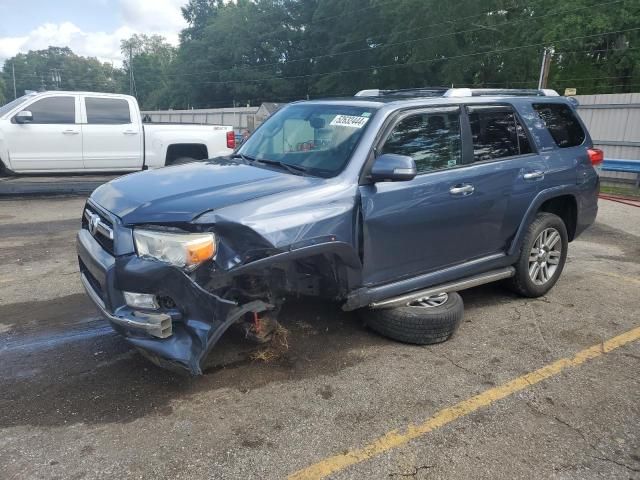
[349,121]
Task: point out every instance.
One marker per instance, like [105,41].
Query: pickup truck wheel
[425,321]
[544,252]
[180,161]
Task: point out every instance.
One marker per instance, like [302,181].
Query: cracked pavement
[76,402]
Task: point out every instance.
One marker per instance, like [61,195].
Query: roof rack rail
[458,92]
[404,92]
[499,92]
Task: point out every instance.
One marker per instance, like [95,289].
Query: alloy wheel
[544,256]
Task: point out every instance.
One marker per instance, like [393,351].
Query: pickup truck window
[319,138]
[54,110]
[107,111]
[497,133]
[432,139]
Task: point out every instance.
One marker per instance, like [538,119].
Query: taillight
[596,156]
[231,139]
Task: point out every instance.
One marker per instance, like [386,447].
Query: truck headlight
[186,250]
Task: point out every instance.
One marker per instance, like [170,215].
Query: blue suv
[389,202]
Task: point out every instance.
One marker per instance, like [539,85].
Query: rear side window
[431,139]
[107,111]
[497,133]
[56,110]
[561,123]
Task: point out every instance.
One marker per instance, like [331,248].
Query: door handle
[130,132]
[465,189]
[535,175]
[70,132]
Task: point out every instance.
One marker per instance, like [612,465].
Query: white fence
[239,117]
[613,121]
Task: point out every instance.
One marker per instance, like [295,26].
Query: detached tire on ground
[423,322]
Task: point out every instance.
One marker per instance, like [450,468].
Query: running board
[456,286]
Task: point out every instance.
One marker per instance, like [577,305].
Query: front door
[461,205]
[112,136]
[52,141]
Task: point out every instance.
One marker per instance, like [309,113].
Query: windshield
[318,138]
[12,104]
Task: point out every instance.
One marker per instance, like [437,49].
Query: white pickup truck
[97,132]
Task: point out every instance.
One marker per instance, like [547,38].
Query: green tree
[3,93]
[150,57]
[59,68]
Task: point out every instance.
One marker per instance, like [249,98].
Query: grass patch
[625,191]
[277,347]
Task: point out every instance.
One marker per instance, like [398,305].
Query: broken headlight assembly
[184,250]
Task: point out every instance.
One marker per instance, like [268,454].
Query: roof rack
[458,92]
[404,92]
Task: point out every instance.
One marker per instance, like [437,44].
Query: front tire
[422,322]
[543,255]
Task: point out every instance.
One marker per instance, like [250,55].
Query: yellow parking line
[397,438]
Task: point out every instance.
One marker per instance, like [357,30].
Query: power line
[420,62]
[393,44]
[388,45]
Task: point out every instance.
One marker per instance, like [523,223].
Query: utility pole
[130,69]
[13,71]
[545,67]
[56,78]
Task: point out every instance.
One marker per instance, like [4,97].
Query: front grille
[99,234]
[93,281]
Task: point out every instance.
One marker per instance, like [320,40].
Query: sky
[89,27]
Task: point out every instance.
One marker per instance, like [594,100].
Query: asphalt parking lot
[27,185]
[76,402]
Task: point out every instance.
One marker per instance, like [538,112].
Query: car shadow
[90,375]
[81,371]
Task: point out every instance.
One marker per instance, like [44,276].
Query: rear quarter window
[562,124]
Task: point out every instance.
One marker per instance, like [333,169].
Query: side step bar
[456,286]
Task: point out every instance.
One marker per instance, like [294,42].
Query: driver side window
[432,139]
[54,110]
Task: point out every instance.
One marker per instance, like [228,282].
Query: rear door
[52,141]
[464,203]
[112,137]
[505,156]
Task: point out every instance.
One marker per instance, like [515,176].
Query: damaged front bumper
[182,332]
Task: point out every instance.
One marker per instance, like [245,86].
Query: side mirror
[25,116]
[390,167]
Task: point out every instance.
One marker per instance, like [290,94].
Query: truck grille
[99,226]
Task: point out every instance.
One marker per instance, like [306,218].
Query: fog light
[141,300]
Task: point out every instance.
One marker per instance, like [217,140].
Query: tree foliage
[150,58]
[58,68]
[250,51]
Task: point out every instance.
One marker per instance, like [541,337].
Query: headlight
[179,249]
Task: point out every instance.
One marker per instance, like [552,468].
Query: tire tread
[417,325]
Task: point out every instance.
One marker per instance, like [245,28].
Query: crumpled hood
[181,193]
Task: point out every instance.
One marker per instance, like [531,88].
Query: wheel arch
[560,201]
[197,151]
[565,207]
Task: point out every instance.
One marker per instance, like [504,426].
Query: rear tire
[542,258]
[417,323]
